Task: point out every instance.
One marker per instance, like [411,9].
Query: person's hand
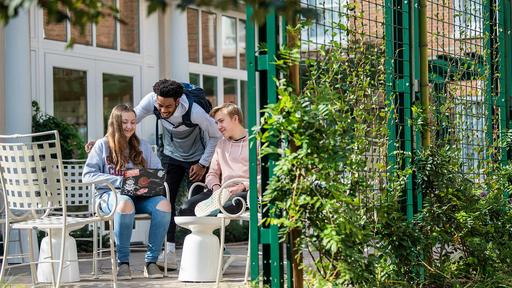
[89,145]
[196,172]
[237,188]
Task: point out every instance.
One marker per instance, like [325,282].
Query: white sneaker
[171,261]
[210,206]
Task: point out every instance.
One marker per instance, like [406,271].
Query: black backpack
[194,94]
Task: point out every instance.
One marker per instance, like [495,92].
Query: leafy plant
[72,144]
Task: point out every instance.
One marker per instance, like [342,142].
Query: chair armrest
[193,187]
[167,195]
[223,189]
[97,204]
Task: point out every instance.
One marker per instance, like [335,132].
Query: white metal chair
[138,217]
[226,217]
[32,178]
[80,199]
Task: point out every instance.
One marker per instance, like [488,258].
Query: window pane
[194,79]
[210,88]
[209,37]
[54,31]
[129,12]
[117,89]
[244,103]
[229,42]
[193,35]
[230,87]
[241,43]
[84,38]
[106,31]
[70,97]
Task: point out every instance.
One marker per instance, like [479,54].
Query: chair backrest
[76,195]
[31,171]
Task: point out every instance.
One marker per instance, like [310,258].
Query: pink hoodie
[230,161]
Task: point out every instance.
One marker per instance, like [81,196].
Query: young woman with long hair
[109,158]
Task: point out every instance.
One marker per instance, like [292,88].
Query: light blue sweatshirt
[96,167]
[183,143]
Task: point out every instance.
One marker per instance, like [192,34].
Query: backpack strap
[157,133]
[186,117]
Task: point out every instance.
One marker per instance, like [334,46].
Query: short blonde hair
[231,109]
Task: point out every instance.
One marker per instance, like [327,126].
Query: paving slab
[20,276]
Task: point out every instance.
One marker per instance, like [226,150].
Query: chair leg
[248,260]
[113,258]
[61,260]
[51,255]
[95,250]
[33,271]
[6,253]
[165,257]
[221,251]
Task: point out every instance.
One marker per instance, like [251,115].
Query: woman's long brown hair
[122,150]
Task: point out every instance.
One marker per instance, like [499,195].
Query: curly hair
[119,144]
[168,89]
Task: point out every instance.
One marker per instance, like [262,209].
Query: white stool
[70,271]
[200,254]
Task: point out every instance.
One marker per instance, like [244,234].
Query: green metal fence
[468,46]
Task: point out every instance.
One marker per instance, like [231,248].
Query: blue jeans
[123,225]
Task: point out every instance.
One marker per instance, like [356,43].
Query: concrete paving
[20,277]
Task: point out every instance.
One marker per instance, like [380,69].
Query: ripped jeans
[123,224]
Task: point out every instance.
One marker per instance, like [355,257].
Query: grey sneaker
[152,271]
[123,272]
[171,260]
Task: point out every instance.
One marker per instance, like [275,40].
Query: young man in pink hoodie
[230,160]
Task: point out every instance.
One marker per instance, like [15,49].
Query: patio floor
[20,277]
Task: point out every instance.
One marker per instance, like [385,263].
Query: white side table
[200,254]
[70,271]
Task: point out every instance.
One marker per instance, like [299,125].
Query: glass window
[244,103]
[84,38]
[209,37]
[106,31]
[210,88]
[194,79]
[117,89]
[129,34]
[241,43]
[193,35]
[468,18]
[323,31]
[230,93]
[54,31]
[229,40]
[70,97]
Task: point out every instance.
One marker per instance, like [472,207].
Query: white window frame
[94,78]
[311,37]
[470,117]
[218,70]
[39,19]
[468,24]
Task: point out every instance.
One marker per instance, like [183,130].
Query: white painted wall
[2,82]
[17,79]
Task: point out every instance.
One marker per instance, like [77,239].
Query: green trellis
[468,59]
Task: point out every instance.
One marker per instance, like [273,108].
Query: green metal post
[407,98]
[505,62]
[489,33]
[272,34]
[390,86]
[417,70]
[253,153]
